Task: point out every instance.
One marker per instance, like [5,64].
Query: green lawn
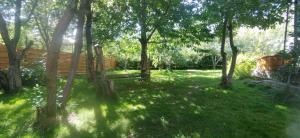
[174,104]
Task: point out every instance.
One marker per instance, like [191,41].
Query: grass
[174,104]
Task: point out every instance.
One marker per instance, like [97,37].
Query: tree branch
[18,24]
[31,12]
[28,45]
[43,31]
[4,30]
[151,33]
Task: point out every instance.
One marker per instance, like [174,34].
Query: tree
[89,42]
[146,17]
[14,71]
[228,15]
[52,60]
[77,51]
[46,12]
[108,25]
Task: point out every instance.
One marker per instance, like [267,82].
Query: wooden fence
[270,63]
[64,62]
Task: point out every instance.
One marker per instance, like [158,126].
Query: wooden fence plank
[34,55]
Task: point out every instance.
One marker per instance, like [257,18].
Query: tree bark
[52,60]
[296,24]
[89,43]
[286,27]
[76,53]
[234,54]
[104,87]
[224,82]
[145,71]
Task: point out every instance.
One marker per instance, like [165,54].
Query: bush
[34,74]
[244,68]
[38,97]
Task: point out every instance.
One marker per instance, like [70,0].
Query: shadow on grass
[173,104]
[16,115]
[184,103]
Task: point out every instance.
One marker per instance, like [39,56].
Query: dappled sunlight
[122,124]
[281,107]
[126,107]
[10,106]
[194,86]
[103,110]
[216,90]
[16,116]
[84,120]
[185,107]
[64,131]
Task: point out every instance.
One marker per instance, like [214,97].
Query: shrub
[38,98]
[34,74]
[244,68]
[39,95]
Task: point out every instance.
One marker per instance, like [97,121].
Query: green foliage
[289,72]
[260,42]
[38,97]
[244,69]
[109,20]
[34,74]
[252,13]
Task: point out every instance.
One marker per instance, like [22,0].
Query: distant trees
[228,15]
[147,17]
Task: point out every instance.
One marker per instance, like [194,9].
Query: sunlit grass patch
[84,120]
[173,104]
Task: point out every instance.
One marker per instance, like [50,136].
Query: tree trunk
[52,60]
[214,62]
[104,87]
[224,82]
[286,27]
[4,81]
[145,71]
[234,54]
[14,71]
[296,25]
[76,53]
[89,43]
[125,64]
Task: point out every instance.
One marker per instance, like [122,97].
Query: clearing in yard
[174,104]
